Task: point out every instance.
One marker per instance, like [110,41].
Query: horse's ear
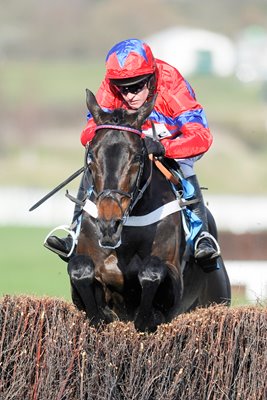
[146,110]
[94,108]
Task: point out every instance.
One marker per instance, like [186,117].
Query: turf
[27,267]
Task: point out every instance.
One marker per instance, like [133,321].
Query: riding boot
[206,248]
[64,246]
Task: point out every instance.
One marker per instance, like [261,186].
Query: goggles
[134,89]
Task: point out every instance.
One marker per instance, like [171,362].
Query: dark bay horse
[128,263]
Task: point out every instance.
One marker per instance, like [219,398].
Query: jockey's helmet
[129,62]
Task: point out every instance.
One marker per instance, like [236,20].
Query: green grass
[27,267]
[235,106]
[49,82]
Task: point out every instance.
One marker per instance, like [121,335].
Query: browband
[119,128]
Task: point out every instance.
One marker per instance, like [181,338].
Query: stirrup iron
[204,235]
[70,232]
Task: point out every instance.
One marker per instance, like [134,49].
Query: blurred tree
[88,28]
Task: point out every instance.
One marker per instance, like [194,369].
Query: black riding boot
[206,249]
[63,246]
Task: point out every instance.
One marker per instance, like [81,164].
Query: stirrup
[67,229]
[204,235]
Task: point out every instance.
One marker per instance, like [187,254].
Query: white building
[194,51]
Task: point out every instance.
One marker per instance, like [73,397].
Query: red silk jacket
[179,119]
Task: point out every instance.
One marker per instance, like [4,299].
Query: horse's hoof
[149,324]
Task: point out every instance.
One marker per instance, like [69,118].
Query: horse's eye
[89,158]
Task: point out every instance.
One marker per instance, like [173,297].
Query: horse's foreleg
[87,294]
[150,277]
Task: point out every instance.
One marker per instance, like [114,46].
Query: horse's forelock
[122,117]
[118,116]
[117,137]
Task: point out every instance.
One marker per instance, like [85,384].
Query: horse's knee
[81,267]
[153,271]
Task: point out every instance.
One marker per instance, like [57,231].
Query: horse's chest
[109,273]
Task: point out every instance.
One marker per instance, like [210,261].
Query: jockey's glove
[154,147]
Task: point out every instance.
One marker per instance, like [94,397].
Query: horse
[128,263]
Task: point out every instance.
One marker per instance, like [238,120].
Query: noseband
[111,192]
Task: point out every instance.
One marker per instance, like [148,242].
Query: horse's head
[116,163]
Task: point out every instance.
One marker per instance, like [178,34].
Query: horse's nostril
[109,228]
[117,224]
[114,227]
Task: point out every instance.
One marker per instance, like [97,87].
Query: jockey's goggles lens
[134,89]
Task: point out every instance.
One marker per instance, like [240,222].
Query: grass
[28,268]
[235,107]
[61,81]
[49,83]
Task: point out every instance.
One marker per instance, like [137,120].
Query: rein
[164,170]
[56,189]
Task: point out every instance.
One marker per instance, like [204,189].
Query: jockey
[133,76]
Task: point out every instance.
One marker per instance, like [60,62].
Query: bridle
[137,193]
[120,128]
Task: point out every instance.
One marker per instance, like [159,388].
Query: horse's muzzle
[109,233]
[108,245]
